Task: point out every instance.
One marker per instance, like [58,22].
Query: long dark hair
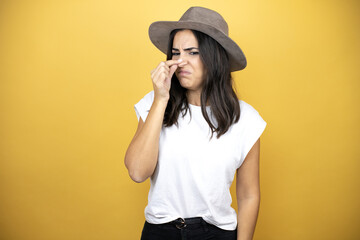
[217,87]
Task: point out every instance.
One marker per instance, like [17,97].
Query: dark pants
[192,229]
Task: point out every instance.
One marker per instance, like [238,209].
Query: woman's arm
[142,153]
[248,193]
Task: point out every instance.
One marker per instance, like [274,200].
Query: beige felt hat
[203,20]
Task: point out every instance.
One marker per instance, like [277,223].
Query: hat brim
[159,33]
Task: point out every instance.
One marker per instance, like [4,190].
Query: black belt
[184,222]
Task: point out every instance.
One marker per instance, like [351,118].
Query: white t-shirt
[194,173]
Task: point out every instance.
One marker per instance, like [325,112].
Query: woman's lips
[183,73]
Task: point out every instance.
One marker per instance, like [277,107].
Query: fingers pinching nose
[172,70]
[182,64]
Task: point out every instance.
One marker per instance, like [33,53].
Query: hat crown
[205,16]
[203,20]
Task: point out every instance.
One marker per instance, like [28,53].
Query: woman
[194,134]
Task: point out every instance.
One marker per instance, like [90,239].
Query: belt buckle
[181,224]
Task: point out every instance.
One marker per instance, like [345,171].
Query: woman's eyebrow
[186,49]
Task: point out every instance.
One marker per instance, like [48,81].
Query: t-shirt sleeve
[253,125]
[142,108]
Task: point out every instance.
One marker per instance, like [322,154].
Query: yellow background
[71,71]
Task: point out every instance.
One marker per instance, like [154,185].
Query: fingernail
[180,60]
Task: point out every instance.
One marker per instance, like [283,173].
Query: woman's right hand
[161,77]
[142,154]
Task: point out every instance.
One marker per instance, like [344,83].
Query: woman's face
[191,74]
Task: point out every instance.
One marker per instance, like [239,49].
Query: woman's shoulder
[249,109]
[143,106]
[149,97]
[248,114]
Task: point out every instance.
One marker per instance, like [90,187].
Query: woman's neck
[194,97]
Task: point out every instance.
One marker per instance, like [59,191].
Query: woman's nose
[183,63]
[184,56]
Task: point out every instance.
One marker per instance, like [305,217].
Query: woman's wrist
[160,102]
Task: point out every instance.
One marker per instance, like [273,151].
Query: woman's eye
[175,54]
[194,53]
